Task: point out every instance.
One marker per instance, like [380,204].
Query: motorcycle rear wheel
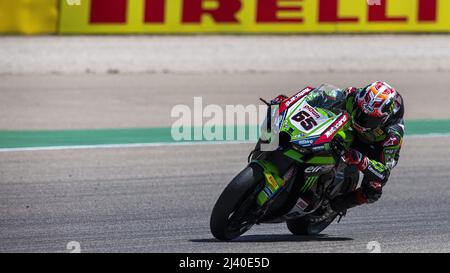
[303,226]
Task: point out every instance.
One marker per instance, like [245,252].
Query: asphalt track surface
[89,101]
[159,199]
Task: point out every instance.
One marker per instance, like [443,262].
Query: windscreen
[326,96]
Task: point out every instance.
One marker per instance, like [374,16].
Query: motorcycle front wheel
[231,216]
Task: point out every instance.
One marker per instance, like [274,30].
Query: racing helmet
[374,106]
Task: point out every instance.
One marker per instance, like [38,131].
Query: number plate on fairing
[306,119]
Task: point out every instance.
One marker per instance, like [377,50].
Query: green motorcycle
[295,169]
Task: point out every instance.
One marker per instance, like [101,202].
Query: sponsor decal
[331,131]
[296,97]
[302,204]
[309,182]
[298,209]
[272,181]
[305,142]
[336,127]
[378,166]
[375,172]
[312,111]
[252,16]
[313,169]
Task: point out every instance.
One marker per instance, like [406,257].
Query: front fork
[273,181]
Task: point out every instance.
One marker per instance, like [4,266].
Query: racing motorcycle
[295,169]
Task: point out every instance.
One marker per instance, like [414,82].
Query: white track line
[160,144]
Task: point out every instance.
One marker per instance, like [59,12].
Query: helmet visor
[364,122]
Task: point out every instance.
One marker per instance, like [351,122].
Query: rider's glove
[353,157]
[350,91]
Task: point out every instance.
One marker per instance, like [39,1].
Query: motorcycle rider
[376,114]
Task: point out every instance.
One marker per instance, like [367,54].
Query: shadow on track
[277,238]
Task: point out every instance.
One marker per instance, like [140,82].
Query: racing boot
[352,199]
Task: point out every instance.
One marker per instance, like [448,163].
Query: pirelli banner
[223,16]
[254,16]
